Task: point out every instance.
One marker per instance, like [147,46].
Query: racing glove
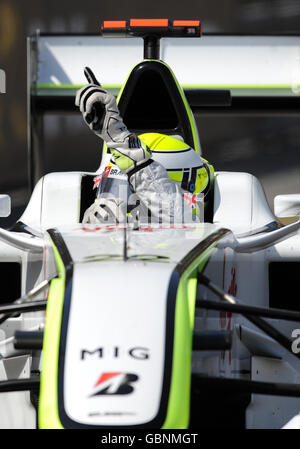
[105,210]
[101,114]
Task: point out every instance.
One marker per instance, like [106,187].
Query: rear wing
[261,72]
[247,65]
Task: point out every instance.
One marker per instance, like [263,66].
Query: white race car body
[126,342]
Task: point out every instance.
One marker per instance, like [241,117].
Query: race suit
[164,198]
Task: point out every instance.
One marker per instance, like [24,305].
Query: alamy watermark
[296,342]
[296,82]
[151,208]
[2,82]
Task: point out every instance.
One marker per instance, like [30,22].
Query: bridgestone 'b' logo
[114,383]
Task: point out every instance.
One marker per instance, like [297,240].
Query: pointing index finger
[91,77]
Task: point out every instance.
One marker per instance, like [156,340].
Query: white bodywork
[287,205]
[237,268]
[239,264]
[5,206]
[118,308]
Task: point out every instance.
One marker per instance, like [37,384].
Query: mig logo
[114,383]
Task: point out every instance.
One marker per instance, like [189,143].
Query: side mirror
[5,205]
[287,205]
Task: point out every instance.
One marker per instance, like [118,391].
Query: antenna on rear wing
[152,30]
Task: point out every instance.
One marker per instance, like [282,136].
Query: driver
[172,196]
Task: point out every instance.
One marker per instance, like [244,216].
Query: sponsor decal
[137,353]
[120,227]
[97,181]
[114,383]
[192,199]
[117,382]
[98,178]
[85,229]
[109,172]
[116,173]
[106,172]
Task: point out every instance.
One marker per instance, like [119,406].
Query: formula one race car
[140,326]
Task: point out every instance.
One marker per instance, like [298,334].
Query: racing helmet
[183,164]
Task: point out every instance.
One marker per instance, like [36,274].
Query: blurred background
[267,146]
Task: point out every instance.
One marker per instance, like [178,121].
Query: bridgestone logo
[114,384]
[2,82]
